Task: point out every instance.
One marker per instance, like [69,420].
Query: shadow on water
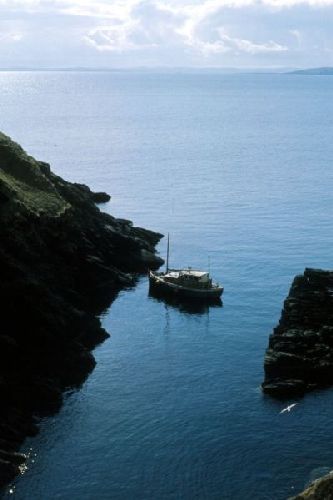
[185,305]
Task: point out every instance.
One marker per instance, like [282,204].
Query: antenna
[167,259]
[209,264]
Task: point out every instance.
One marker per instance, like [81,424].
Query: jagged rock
[8,471]
[7,445]
[101,197]
[13,457]
[321,489]
[281,388]
[62,261]
[300,352]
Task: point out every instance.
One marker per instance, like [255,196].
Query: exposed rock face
[321,489]
[101,197]
[300,352]
[61,262]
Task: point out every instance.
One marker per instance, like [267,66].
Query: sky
[166,33]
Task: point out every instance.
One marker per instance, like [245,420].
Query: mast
[167,259]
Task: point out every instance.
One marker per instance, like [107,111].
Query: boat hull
[158,284]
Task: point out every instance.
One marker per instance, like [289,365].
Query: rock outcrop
[101,197]
[300,352]
[321,489]
[62,261]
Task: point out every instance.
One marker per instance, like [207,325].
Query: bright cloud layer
[166,32]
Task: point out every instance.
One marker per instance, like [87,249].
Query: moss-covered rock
[321,489]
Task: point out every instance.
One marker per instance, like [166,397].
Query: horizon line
[154,68]
[175,69]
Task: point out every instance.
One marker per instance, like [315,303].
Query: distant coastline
[313,71]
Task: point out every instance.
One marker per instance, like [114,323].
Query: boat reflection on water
[185,305]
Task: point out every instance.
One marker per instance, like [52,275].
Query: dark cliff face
[300,352]
[61,262]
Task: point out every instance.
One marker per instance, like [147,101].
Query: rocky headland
[321,489]
[300,352]
[62,261]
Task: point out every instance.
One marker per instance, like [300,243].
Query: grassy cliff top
[24,181]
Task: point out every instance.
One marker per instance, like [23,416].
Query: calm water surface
[239,170]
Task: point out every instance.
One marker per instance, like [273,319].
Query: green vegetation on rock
[23,181]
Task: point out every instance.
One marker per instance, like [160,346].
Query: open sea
[239,170]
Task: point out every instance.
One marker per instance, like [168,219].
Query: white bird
[288,408]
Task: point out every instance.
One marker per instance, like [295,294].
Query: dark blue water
[239,170]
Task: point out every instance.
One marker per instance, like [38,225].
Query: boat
[184,304]
[186,283]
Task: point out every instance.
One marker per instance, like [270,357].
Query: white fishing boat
[187,283]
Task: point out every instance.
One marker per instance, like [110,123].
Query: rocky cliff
[62,261]
[300,352]
[321,489]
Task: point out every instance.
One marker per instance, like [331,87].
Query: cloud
[116,37]
[203,29]
[227,43]
[11,37]
[297,35]
[96,9]
[150,24]
[158,32]
[146,25]
[120,8]
[76,8]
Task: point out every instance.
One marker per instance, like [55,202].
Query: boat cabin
[189,277]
